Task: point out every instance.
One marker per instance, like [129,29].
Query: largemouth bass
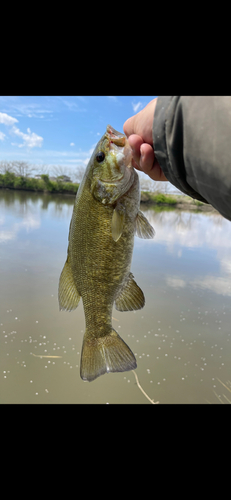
[105,218]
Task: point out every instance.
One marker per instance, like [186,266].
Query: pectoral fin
[68,295]
[117,223]
[143,227]
[131,297]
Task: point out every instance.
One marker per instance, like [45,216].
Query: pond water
[181,338]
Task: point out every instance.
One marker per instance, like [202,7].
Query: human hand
[138,129]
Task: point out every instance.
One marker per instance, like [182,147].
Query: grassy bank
[175,201]
[158,198]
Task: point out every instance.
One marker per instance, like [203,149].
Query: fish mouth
[115,137]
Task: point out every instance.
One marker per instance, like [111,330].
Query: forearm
[191,139]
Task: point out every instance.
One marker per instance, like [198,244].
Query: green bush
[198,203]
[45,178]
[20,182]
[69,186]
[161,198]
[34,184]
[10,180]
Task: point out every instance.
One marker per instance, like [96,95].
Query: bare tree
[61,170]
[58,170]
[6,166]
[22,168]
[166,187]
[43,169]
[79,173]
[148,184]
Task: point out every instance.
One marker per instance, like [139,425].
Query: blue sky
[60,130]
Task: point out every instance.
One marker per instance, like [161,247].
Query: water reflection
[181,338]
[208,233]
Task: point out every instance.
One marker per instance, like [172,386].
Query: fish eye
[100,156]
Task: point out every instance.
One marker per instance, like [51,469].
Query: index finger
[128,126]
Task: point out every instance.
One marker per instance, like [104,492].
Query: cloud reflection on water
[29,223]
[176,231]
[179,230]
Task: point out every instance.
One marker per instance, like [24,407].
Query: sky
[60,130]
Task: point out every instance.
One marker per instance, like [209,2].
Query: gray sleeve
[192,143]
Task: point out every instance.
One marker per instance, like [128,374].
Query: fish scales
[101,239]
[99,263]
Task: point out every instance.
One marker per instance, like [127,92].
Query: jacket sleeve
[192,143]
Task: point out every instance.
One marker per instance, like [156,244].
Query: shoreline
[148,199]
[45,185]
[179,201]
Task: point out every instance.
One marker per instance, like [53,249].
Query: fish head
[112,173]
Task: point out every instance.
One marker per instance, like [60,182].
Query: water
[181,338]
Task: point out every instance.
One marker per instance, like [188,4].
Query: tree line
[19,174]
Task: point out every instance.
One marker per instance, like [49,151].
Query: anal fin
[68,294]
[131,297]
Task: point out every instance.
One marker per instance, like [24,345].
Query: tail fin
[105,354]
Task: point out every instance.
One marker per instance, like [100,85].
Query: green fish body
[101,238]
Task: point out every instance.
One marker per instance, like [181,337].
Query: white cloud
[70,157]
[136,106]
[7,119]
[26,108]
[72,105]
[31,140]
[72,144]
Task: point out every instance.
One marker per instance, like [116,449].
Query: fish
[106,216]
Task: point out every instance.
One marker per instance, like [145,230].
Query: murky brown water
[181,339]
